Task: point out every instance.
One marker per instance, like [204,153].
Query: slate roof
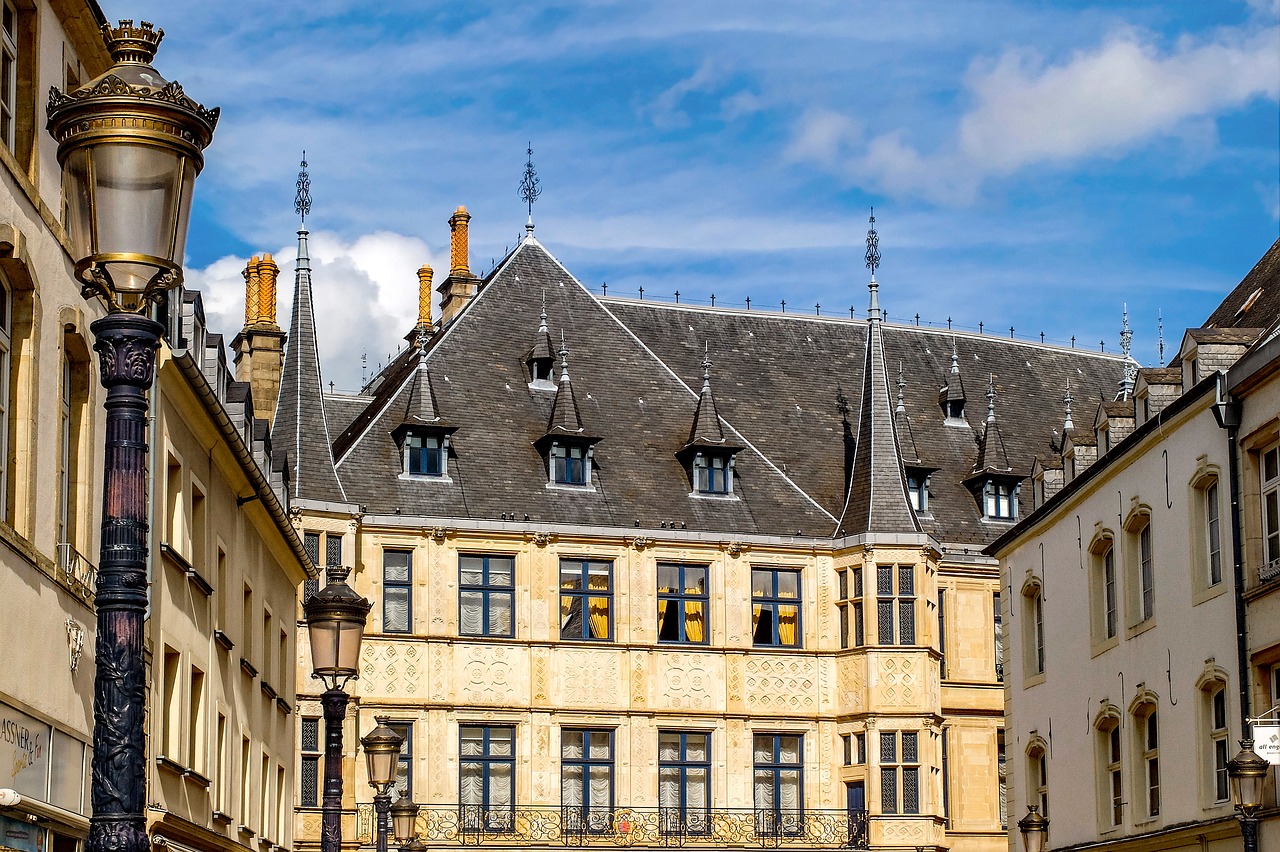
[635,367]
[1237,336]
[1242,308]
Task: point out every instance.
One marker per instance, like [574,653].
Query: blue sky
[1032,164]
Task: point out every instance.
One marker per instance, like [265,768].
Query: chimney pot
[425,272]
[458,252]
[268,272]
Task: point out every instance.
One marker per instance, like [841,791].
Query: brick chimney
[259,347]
[424,294]
[460,286]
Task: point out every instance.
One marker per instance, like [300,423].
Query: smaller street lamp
[1248,773]
[381,753]
[1035,829]
[335,617]
[404,819]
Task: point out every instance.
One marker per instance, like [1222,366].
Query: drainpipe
[1228,413]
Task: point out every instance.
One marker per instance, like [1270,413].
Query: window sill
[197,778]
[171,765]
[1140,628]
[284,706]
[248,667]
[1205,594]
[221,818]
[1102,646]
[223,640]
[1033,680]
[268,690]
[714,495]
[585,487]
[246,831]
[425,478]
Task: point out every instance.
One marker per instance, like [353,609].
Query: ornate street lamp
[1248,774]
[404,822]
[130,146]
[1035,829]
[381,754]
[335,617]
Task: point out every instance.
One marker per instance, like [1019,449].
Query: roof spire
[901,408]
[991,397]
[564,359]
[1067,425]
[873,263]
[1130,376]
[955,357]
[530,188]
[542,317]
[706,366]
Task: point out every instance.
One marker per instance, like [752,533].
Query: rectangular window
[64,451]
[918,491]
[775,607]
[999,635]
[1151,761]
[486,595]
[246,777]
[171,731]
[196,745]
[1147,578]
[1213,531]
[895,607]
[682,603]
[942,632]
[860,748]
[1037,615]
[333,549]
[569,464]
[8,74]
[946,781]
[199,544]
[778,783]
[397,591]
[311,544]
[486,777]
[309,781]
[899,772]
[712,474]
[220,779]
[404,762]
[684,783]
[1270,514]
[846,741]
[424,455]
[1001,500]
[1114,775]
[1109,592]
[246,624]
[586,779]
[1219,744]
[586,599]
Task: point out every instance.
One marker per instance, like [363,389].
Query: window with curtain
[712,473]
[403,786]
[682,603]
[895,604]
[899,772]
[778,783]
[486,777]
[684,782]
[586,779]
[775,607]
[586,599]
[397,591]
[486,595]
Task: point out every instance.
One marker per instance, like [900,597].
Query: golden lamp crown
[128,43]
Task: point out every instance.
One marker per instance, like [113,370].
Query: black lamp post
[381,754]
[404,820]
[1248,773]
[335,624]
[130,145]
[1035,829]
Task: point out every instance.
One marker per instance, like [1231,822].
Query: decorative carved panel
[591,678]
[488,676]
[781,683]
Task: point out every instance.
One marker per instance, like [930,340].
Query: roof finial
[902,408]
[873,263]
[1130,377]
[706,366]
[1067,425]
[302,200]
[991,397]
[1160,334]
[955,357]
[530,188]
[564,359]
[542,317]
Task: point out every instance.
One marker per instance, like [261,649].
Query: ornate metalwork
[530,186]
[334,702]
[656,828]
[302,199]
[873,245]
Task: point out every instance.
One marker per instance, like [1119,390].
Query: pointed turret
[992,455]
[567,445]
[993,481]
[541,359]
[902,423]
[300,426]
[565,418]
[877,498]
[951,397]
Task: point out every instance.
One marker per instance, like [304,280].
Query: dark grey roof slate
[1161,375]
[1234,336]
[1241,307]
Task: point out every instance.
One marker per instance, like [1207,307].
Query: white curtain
[472,613]
[500,614]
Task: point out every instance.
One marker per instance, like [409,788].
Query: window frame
[773,601]
[1269,511]
[482,816]
[776,820]
[586,815]
[582,595]
[405,585]
[1000,500]
[894,600]
[309,747]
[570,463]
[898,764]
[1146,738]
[417,455]
[487,591]
[683,598]
[9,57]
[679,822]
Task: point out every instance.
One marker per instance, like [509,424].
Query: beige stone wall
[636,686]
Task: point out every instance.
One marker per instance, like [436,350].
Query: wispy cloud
[1101,102]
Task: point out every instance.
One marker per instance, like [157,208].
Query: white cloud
[1103,102]
[365,293]
[666,110]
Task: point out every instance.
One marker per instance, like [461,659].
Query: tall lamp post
[404,819]
[130,145]
[1035,829]
[1248,772]
[336,617]
[381,754]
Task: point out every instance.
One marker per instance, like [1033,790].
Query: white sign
[1266,742]
[24,753]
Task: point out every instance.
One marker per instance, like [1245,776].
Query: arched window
[1109,758]
[1140,569]
[1213,724]
[1146,732]
[1038,774]
[1104,591]
[1033,644]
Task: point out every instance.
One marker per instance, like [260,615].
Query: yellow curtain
[566,602]
[599,608]
[787,624]
[662,611]
[694,626]
[755,618]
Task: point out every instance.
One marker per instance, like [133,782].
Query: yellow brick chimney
[259,347]
[460,286]
[424,294]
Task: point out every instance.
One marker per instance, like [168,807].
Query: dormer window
[570,464]
[426,455]
[918,490]
[955,409]
[540,369]
[713,473]
[999,500]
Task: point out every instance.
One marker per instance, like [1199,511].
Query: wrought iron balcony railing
[472,825]
[80,575]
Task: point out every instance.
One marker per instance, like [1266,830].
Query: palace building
[648,574]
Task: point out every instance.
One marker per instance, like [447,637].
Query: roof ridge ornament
[991,397]
[706,366]
[873,263]
[901,407]
[564,359]
[1067,424]
[302,199]
[542,317]
[1129,378]
[530,188]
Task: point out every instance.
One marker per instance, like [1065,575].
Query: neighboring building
[226,562]
[653,575]
[51,434]
[1125,680]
